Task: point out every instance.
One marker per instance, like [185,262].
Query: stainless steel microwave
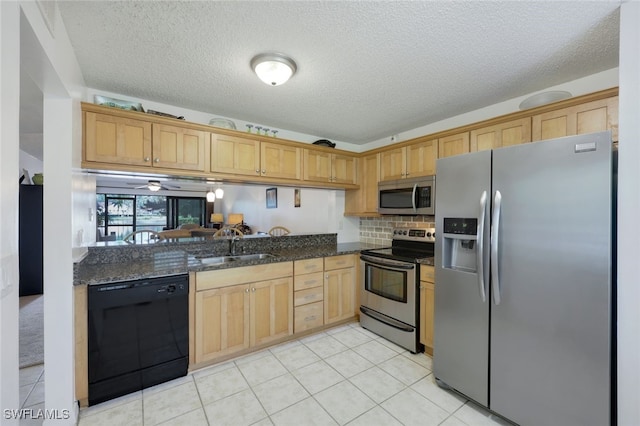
[415,196]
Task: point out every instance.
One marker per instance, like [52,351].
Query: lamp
[235,218]
[273,68]
[211,196]
[219,193]
[216,218]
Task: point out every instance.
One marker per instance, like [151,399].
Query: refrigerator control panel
[460,225]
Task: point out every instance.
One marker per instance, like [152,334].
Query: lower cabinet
[339,288]
[231,316]
[427,287]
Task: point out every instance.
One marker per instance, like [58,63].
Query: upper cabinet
[280,161]
[414,160]
[323,166]
[231,154]
[500,135]
[110,139]
[589,117]
[119,140]
[364,201]
[177,147]
[453,145]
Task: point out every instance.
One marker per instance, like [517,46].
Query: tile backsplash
[377,230]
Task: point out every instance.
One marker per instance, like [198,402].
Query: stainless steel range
[390,279]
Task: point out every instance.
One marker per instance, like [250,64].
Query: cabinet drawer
[307,266]
[303,282]
[427,273]
[339,262]
[311,295]
[308,316]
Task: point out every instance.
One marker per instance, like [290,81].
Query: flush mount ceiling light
[273,68]
[543,99]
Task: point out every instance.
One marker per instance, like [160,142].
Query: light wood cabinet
[271,310]
[322,166]
[339,288]
[501,135]
[280,161]
[231,154]
[364,201]
[222,322]
[177,147]
[427,287]
[453,145]
[111,139]
[415,160]
[589,117]
[234,312]
[308,296]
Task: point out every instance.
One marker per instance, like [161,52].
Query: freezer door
[550,331]
[461,324]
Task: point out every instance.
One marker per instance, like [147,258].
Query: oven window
[387,283]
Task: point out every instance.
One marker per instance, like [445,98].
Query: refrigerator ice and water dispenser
[459,244]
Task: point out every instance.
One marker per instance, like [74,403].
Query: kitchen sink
[218,260]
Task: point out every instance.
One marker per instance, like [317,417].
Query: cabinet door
[421,158]
[317,165]
[178,147]
[271,310]
[365,199]
[426,315]
[343,169]
[280,161]
[500,135]
[117,140]
[339,295]
[230,154]
[453,145]
[589,117]
[392,164]
[222,322]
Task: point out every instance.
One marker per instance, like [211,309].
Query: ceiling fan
[155,185]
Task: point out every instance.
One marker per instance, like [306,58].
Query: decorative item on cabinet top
[325,142]
[117,103]
[222,122]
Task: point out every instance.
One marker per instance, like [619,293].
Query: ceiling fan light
[211,196]
[154,186]
[219,193]
[273,68]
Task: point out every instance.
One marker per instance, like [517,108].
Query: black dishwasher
[138,335]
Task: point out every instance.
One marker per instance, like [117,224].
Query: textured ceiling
[366,70]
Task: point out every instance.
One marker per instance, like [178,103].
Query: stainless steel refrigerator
[523,295]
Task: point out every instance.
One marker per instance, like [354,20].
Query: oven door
[389,287]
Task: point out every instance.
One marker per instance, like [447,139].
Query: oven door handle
[389,321]
[387,263]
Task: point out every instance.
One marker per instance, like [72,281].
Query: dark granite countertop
[181,259]
[426,261]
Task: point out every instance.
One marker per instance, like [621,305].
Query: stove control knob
[433,235]
[428,234]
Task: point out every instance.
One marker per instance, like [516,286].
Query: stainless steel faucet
[232,245]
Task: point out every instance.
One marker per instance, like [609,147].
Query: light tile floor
[345,375]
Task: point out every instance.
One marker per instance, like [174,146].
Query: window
[119,215]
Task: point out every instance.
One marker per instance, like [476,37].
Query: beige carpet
[31,330]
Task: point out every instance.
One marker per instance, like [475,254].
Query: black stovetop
[408,251]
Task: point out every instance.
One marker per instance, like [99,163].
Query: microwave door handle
[480,243]
[413,197]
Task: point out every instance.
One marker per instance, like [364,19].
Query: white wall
[9,147]
[320,211]
[628,214]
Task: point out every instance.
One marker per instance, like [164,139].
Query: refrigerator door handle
[413,197]
[480,243]
[495,227]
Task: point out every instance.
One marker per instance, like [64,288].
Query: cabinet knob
[157,160]
[258,171]
[264,172]
[246,290]
[253,289]
[147,159]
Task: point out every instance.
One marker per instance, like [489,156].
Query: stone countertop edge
[180,262]
[429,261]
